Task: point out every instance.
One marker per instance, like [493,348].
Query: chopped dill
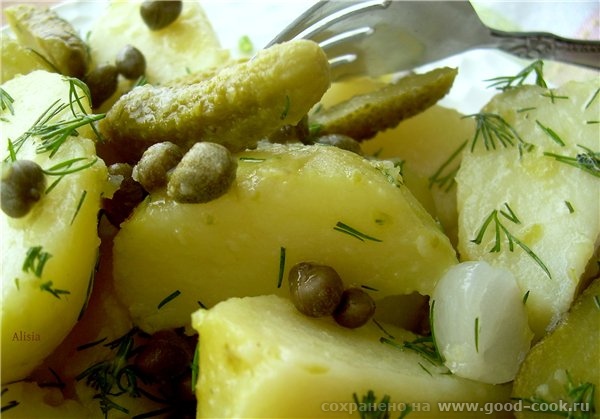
[500,228]
[286,108]
[90,344]
[593,98]
[79,205]
[579,402]
[553,97]
[245,45]
[281,266]
[526,297]
[195,367]
[345,228]
[508,82]
[569,207]
[169,298]
[369,408]
[369,288]
[447,181]
[493,129]
[35,260]
[47,286]
[551,133]
[6,101]
[588,160]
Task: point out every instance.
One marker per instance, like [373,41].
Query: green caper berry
[160,14]
[340,141]
[204,173]
[23,184]
[102,82]
[355,309]
[291,133]
[130,62]
[315,290]
[156,162]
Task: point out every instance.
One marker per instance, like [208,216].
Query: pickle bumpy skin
[239,106]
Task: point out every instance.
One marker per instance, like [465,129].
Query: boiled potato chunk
[48,256]
[533,207]
[288,204]
[565,360]
[260,357]
[428,144]
[17,59]
[187,45]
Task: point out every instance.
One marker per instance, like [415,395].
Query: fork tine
[312,23]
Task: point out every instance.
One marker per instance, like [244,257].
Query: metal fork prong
[322,15]
[342,60]
[348,36]
[342,14]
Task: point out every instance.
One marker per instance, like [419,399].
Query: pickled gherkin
[238,107]
[53,38]
[363,116]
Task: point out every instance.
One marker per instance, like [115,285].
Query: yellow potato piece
[565,360]
[288,204]
[545,209]
[17,59]
[260,357]
[48,256]
[186,46]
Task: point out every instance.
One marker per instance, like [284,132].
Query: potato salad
[190,231]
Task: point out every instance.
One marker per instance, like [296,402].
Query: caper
[315,290]
[160,14]
[23,184]
[167,355]
[156,162]
[291,133]
[355,309]
[130,62]
[102,82]
[204,173]
[340,141]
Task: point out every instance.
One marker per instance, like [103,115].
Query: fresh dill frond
[345,228]
[168,299]
[494,130]
[445,179]
[508,82]
[588,160]
[35,260]
[48,287]
[6,101]
[369,408]
[281,271]
[500,229]
[551,133]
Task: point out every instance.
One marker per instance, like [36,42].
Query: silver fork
[375,37]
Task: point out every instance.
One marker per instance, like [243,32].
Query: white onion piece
[480,323]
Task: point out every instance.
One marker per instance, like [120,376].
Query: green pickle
[50,36]
[236,108]
[363,116]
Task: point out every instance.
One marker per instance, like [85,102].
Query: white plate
[261,20]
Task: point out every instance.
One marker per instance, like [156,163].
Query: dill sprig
[579,403]
[500,228]
[508,82]
[588,160]
[56,292]
[493,129]
[446,179]
[345,228]
[6,101]
[113,377]
[369,408]
[35,260]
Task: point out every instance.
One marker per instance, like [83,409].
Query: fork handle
[535,45]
